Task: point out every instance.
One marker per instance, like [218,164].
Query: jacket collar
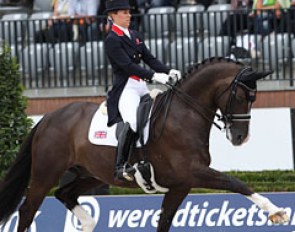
[117,30]
[132,42]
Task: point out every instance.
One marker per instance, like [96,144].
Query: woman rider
[125,49]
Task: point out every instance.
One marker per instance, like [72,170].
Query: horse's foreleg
[206,177]
[276,215]
[171,202]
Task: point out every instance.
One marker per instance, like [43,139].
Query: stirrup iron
[128,172]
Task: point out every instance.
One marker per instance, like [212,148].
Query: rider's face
[122,18]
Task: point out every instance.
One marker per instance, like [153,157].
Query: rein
[196,106]
[164,101]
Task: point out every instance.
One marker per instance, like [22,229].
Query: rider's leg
[128,104]
[125,146]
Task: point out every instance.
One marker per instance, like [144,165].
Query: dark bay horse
[178,149]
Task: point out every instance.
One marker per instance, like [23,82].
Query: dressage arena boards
[198,213]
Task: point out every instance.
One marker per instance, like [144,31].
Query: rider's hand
[175,74]
[161,78]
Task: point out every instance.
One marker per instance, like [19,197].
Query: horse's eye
[240,99]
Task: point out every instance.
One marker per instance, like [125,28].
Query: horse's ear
[262,74]
[255,75]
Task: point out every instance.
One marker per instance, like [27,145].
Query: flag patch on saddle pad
[100,134]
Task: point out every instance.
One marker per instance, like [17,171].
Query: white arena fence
[270,146]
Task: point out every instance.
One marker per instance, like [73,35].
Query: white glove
[161,78]
[175,74]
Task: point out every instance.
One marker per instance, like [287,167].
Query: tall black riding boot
[126,142]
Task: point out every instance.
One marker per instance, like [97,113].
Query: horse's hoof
[89,227]
[279,217]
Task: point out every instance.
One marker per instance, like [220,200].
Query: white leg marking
[264,203]
[86,220]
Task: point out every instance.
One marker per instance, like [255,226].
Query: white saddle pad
[101,134]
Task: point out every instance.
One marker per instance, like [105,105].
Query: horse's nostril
[240,138]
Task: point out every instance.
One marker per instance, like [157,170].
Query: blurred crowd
[85,20]
[88,20]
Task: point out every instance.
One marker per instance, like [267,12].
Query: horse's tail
[17,179]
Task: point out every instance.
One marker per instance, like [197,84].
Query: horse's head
[235,103]
[218,83]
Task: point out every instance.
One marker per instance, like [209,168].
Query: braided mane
[208,61]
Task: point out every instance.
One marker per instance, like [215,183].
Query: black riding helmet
[113,5]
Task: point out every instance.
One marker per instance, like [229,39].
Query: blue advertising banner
[198,213]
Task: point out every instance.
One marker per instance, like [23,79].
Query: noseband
[227,118]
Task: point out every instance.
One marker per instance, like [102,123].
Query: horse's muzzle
[236,137]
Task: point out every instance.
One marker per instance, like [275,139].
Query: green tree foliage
[14,124]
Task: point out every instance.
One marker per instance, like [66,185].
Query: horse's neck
[202,90]
[204,84]
[195,113]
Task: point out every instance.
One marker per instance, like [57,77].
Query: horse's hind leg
[69,193]
[206,177]
[171,202]
[35,195]
[28,209]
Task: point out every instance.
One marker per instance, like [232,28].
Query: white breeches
[129,101]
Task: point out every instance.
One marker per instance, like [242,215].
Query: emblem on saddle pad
[100,134]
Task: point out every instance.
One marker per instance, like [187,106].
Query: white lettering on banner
[134,218]
[251,211]
[203,213]
[181,216]
[211,213]
[289,212]
[238,217]
[116,219]
[196,216]
[138,219]
[224,215]
[193,212]
[91,206]
[146,215]
[261,215]
[11,225]
[156,218]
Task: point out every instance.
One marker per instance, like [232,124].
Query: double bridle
[228,117]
